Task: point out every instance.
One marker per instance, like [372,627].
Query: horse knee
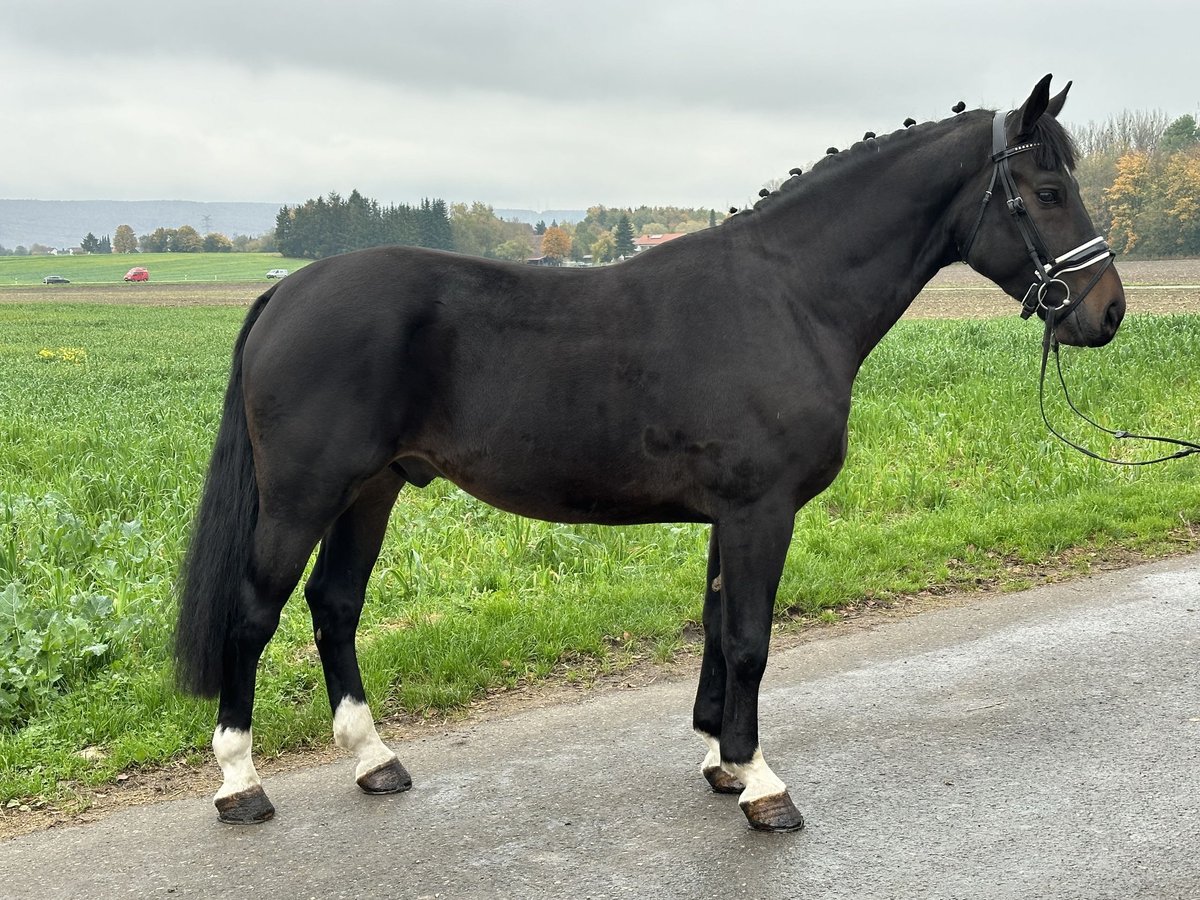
[746,660]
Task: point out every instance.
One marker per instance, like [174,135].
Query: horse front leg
[753,545]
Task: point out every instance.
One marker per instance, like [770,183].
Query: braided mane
[1056,149]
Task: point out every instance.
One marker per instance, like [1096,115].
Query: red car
[137,273]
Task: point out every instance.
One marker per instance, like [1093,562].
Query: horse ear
[1033,108]
[1056,102]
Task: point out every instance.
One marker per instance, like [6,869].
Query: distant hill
[63,223]
[533,216]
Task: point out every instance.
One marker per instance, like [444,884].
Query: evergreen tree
[90,243]
[333,224]
[1182,134]
[105,245]
[624,237]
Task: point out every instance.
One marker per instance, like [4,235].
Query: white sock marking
[231,746]
[758,778]
[354,730]
[712,759]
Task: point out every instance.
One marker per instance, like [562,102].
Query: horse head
[1032,234]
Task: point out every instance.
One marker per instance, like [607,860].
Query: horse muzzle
[1092,321]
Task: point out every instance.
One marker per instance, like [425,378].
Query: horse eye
[1048,197]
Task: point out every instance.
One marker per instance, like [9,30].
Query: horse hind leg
[335,595]
[281,548]
[709,708]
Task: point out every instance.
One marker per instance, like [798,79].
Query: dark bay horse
[706,381]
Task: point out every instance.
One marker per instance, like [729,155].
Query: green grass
[164,267]
[102,453]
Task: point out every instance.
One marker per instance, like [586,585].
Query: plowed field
[1152,286]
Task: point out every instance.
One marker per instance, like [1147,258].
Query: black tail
[218,554]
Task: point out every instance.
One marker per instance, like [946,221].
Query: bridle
[1046,269]
[1046,272]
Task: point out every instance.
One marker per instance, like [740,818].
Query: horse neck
[871,229]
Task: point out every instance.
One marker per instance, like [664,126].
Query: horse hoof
[390,778]
[774,813]
[248,807]
[722,782]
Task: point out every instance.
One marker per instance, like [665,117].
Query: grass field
[107,414]
[164,267]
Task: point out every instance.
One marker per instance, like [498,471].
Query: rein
[1049,343]
[1046,275]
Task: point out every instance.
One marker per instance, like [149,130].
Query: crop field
[108,411]
[110,269]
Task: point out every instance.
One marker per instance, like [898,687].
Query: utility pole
[207,220]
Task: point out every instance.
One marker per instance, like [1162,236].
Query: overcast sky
[537,105]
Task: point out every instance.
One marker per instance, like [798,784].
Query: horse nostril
[1113,316]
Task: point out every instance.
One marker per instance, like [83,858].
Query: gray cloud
[530,103]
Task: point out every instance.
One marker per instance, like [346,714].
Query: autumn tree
[556,243]
[124,240]
[604,248]
[1126,199]
[1181,201]
[1154,203]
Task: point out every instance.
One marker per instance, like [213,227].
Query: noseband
[1046,269]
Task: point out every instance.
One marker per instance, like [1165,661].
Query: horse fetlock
[758,778]
[354,731]
[231,746]
[721,781]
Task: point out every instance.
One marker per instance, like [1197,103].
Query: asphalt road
[1036,745]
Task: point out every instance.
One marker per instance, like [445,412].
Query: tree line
[1139,173]
[323,226]
[184,239]
[328,225]
[1140,178]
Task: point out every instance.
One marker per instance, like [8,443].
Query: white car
[277,273]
